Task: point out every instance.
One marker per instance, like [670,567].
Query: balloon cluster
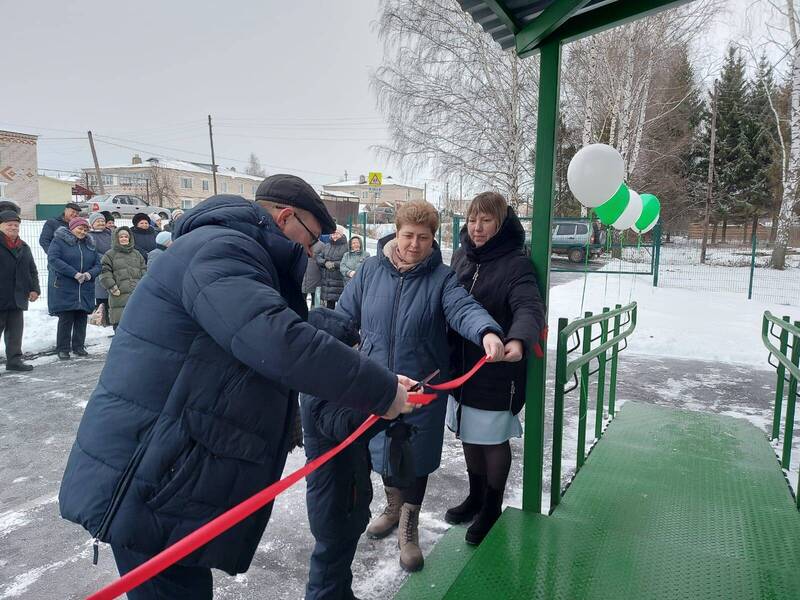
[596,177]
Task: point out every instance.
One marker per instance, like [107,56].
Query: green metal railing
[787,339]
[613,331]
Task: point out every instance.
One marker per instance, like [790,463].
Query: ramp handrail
[788,338]
[566,369]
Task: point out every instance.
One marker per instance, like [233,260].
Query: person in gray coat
[352,261]
[329,260]
[102,237]
[313,277]
[403,301]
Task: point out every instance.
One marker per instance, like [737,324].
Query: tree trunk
[725,229]
[792,170]
[744,232]
[773,230]
[755,225]
[714,233]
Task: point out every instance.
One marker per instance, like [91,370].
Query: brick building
[18,171]
[172,183]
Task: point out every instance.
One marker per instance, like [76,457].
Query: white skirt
[482,427]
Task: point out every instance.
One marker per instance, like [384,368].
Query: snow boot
[385,523]
[408,538]
[81,352]
[470,507]
[487,517]
[18,365]
[63,356]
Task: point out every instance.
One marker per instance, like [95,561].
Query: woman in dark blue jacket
[73,265]
[404,300]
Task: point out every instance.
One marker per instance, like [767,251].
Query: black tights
[494,461]
[416,493]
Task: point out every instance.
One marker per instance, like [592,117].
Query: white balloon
[595,174]
[631,213]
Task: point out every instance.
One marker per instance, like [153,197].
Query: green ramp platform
[670,504]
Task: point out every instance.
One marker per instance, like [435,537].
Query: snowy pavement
[43,556]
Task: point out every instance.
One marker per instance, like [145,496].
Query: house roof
[387,181]
[178,165]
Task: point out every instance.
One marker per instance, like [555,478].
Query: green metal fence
[614,326]
[787,354]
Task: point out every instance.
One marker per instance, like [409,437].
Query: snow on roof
[388,180]
[179,165]
[334,194]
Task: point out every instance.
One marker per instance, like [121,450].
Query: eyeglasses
[314,238]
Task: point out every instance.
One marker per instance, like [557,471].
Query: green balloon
[651,208]
[611,209]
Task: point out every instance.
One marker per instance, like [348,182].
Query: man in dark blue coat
[218,325]
[71,210]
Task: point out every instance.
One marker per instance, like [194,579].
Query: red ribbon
[228,519]
[185,546]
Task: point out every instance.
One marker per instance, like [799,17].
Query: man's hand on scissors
[401,406]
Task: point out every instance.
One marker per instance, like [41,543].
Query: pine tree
[254,166]
[733,164]
[760,130]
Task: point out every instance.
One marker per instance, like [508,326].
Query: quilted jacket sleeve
[465,314]
[228,290]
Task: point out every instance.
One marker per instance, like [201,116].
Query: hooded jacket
[404,318]
[122,269]
[332,281]
[217,326]
[352,260]
[67,256]
[502,279]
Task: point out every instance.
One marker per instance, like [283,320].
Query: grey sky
[286,80]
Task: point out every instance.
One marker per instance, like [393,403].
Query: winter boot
[408,538]
[491,511]
[470,507]
[385,523]
[80,352]
[18,365]
[63,356]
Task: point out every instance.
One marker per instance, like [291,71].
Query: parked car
[572,236]
[122,205]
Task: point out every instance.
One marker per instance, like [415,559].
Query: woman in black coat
[492,266]
[329,260]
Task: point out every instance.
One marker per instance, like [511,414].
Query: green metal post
[752,268]
[456,231]
[439,235]
[584,394]
[546,121]
[349,226]
[558,418]
[656,253]
[612,387]
[364,226]
[601,380]
[776,417]
[791,397]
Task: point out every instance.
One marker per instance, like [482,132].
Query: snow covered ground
[712,326]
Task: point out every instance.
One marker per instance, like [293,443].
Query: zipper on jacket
[475,277]
[116,501]
[394,322]
[511,399]
[80,283]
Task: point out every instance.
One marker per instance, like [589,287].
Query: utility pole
[213,160]
[96,165]
[710,174]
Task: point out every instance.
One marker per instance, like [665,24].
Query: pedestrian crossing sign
[375,179]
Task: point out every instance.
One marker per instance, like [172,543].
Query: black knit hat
[140,217]
[107,214]
[8,205]
[293,191]
[9,215]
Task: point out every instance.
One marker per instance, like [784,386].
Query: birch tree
[455,103]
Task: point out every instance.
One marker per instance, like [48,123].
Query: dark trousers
[11,325]
[329,304]
[329,574]
[312,296]
[71,330]
[175,583]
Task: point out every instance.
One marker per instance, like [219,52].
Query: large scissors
[420,384]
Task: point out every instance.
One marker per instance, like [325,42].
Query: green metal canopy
[527,24]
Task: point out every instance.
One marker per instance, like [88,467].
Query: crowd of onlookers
[93,267]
